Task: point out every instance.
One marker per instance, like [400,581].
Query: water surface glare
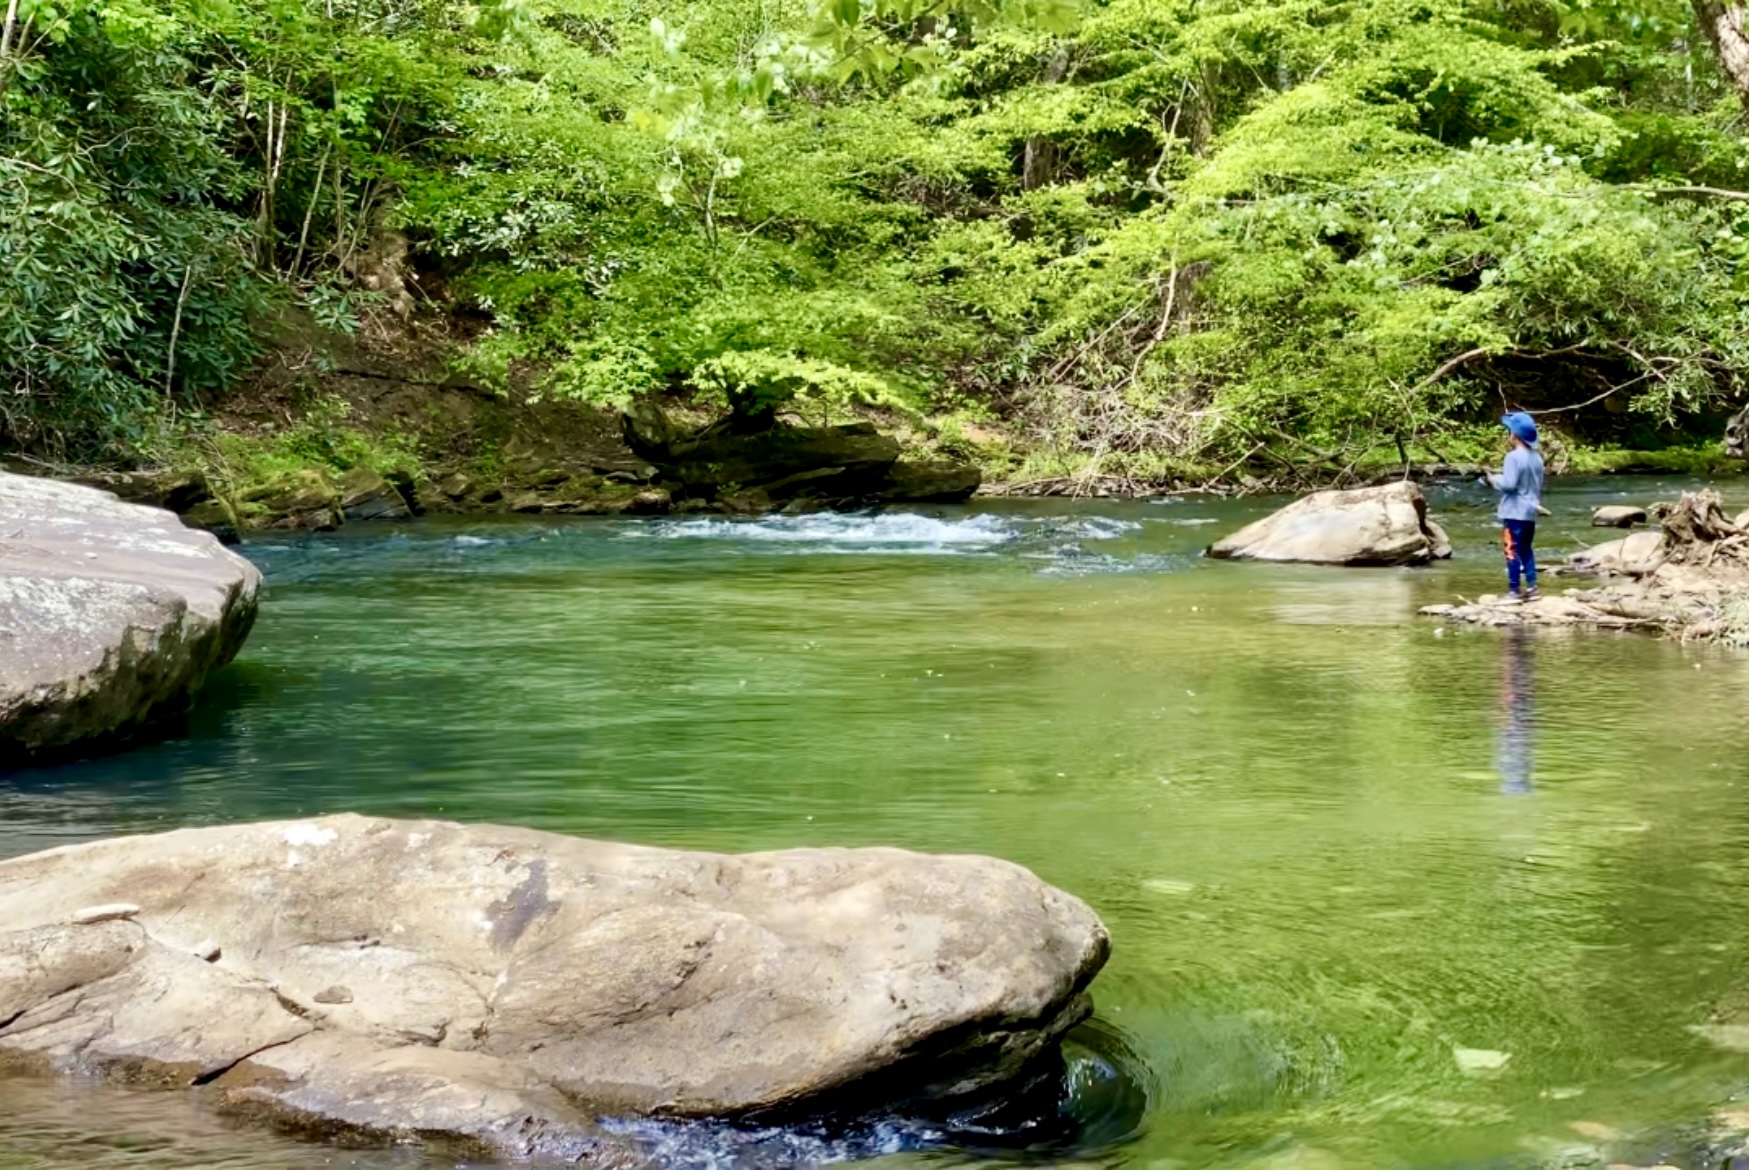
[1382,895]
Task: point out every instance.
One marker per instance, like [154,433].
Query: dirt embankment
[334,428]
[328,418]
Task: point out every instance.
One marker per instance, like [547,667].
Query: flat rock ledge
[506,989]
[112,616]
[1384,525]
[1571,609]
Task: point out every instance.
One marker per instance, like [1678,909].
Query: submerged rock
[507,986]
[1385,525]
[1569,609]
[111,616]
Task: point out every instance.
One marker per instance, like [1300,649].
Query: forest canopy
[1138,230]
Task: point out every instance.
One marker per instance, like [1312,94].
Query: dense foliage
[1144,231]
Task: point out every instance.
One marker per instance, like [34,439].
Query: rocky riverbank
[336,428]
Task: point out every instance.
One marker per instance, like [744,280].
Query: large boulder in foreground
[1385,525]
[111,616]
[508,987]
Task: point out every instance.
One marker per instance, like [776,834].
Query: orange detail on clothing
[1506,543]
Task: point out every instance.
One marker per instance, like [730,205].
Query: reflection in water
[1516,757]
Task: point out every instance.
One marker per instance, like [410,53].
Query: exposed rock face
[1617,516]
[772,463]
[1385,525]
[785,461]
[177,490]
[365,495]
[506,986]
[930,483]
[111,616]
[299,499]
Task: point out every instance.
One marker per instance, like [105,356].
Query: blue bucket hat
[1521,425]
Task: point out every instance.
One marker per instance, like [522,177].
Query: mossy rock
[217,517]
[297,499]
[365,495]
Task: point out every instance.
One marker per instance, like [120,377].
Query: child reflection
[1515,757]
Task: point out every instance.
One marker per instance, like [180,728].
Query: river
[1382,894]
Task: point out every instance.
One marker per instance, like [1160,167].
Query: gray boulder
[505,986]
[1617,516]
[1385,525]
[1639,553]
[111,616]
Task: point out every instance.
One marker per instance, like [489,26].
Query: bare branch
[1691,191]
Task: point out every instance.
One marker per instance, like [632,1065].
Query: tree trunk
[1038,159]
[1722,21]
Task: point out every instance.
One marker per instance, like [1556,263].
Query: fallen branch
[1691,191]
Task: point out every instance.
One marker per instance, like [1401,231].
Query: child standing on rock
[1520,484]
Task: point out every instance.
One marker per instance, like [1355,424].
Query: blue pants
[1518,540]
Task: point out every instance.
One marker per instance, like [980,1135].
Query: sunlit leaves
[877,39]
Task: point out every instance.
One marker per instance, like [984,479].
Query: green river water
[1344,855]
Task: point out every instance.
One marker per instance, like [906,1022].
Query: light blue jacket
[1520,484]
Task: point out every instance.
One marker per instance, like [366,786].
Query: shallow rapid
[1382,893]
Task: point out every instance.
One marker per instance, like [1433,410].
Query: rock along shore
[112,616]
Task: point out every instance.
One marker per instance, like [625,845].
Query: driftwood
[1697,531]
